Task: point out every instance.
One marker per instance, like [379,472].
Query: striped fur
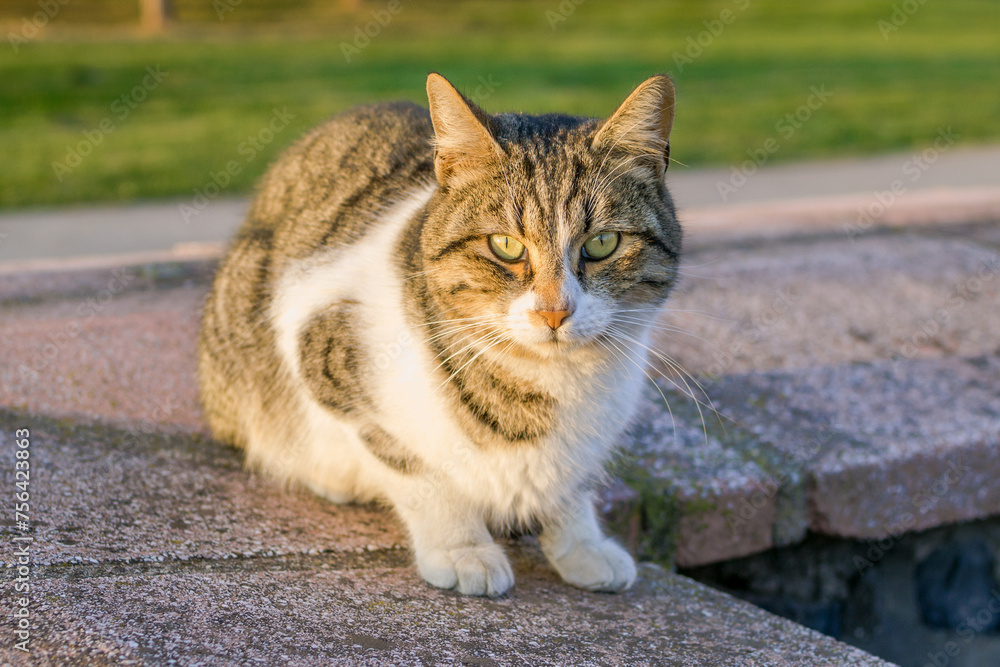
[363,340]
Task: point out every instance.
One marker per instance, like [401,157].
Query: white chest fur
[595,393]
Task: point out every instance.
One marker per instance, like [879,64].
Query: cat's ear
[462,139]
[641,125]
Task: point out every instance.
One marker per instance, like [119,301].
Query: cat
[449,311]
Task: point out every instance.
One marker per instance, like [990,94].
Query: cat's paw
[478,570]
[597,566]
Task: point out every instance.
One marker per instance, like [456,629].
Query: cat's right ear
[463,143]
[640,128]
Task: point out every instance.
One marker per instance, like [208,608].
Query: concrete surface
[160,550]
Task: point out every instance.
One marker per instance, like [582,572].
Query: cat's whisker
[642,367]
[611,150]
[447,329]
[662,327]
[661,310]
[468,345]
[609,178]
[494,341]
[683,375]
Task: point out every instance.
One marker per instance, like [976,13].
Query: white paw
[598,566]
[478,570]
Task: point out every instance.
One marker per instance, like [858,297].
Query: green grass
[942,68]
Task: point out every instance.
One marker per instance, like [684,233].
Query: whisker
[642,367]
[682,374]
[495,340]
[608,154]
[663,327]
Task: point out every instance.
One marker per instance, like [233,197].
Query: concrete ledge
[160,549]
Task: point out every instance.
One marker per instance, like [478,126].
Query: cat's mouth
[551,344]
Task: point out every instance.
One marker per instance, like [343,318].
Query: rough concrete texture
[104,494]
[831,300]
[159,550]
[693,470]
[889,446]
[363,611]
[127,357]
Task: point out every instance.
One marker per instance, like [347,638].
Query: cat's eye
[506,247]
[600,246]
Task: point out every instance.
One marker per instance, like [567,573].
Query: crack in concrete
[393,558]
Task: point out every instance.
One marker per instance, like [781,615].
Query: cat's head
[548,233]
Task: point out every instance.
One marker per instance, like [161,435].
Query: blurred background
[124,100]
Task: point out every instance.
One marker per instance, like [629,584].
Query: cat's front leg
[453,547]
[581,553]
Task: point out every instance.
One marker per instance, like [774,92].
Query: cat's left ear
[641,125]
[463,142]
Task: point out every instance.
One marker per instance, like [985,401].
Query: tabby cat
[449,312]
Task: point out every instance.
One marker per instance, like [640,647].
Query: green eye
[506,248]
[600,246]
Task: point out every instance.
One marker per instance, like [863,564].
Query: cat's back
[328,188]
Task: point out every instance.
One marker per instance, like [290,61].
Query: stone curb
[160,550]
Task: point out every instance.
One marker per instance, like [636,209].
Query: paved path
[847,184]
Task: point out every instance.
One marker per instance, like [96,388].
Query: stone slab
[126,358]
[367,609]
[103,494]
[694,470]
[888,447]
[825,301]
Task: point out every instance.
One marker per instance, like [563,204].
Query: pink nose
[554,317]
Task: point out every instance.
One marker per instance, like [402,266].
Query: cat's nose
[555,318]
